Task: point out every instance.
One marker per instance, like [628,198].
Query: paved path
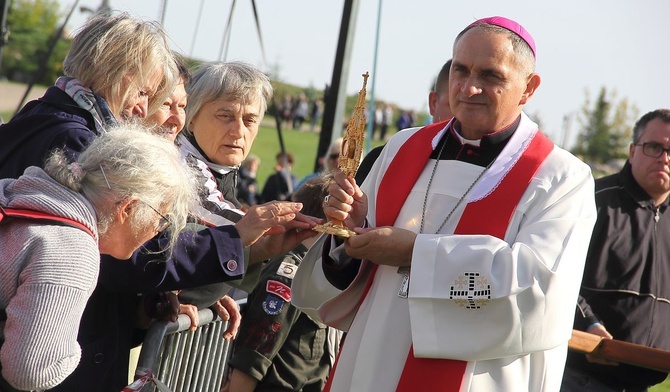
[11,94]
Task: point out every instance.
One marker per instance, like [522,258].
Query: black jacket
[626,282]
[276,187]
[53,121]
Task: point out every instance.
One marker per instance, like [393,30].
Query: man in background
[625,292]
[280,185]
[438,105]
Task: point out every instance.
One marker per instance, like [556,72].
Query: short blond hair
[108,49]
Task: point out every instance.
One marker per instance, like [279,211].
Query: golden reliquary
[350,156]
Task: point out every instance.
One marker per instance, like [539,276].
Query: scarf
[217,197]
[86,99]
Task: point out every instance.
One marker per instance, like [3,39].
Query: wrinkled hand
[347,203]
[227,309]
[270,218]
[382,245]
[192,312]
[600,330]
[283,238]
[162,306]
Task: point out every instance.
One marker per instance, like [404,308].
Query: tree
[605,128]
[32,25]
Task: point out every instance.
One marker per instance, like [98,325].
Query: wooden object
[620,351]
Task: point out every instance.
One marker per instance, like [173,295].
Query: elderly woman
[135,57]
[115,66]
[226,103]
[127,186]
[170,116]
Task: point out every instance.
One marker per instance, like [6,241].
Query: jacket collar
[58,98]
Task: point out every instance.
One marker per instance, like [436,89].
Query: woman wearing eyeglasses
[123,189]
[120,68]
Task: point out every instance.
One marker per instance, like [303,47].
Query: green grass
[662,387]
[302,144]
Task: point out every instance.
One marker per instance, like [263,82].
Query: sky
[582,45]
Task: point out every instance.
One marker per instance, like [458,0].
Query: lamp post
[331,125]
[371,110]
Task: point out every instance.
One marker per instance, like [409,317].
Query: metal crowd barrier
[183,360]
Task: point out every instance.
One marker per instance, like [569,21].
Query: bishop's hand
[346,202]
[382,245]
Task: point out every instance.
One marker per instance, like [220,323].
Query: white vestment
[514,337]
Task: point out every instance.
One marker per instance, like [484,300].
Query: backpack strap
[37,215]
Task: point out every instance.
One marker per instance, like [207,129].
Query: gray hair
[234,81]
[108,49]
[641,124]
[129,161]
[523,51]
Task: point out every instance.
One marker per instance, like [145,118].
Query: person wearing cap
[471,241]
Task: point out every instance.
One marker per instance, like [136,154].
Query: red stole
[490,215]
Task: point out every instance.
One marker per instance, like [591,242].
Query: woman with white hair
[133,56]
[226,104]
[126,187]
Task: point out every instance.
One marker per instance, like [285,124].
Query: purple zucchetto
[510,25]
